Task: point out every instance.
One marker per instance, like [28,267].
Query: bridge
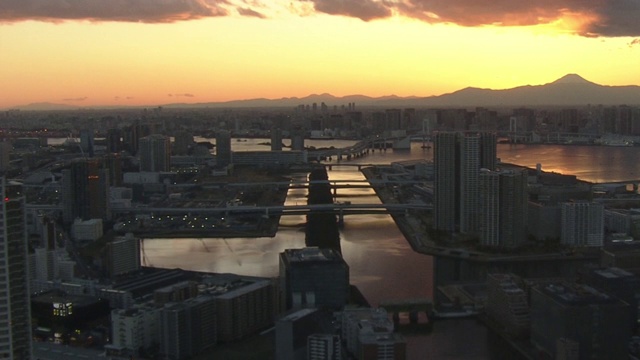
[360,149]
[276,210]
[279,210]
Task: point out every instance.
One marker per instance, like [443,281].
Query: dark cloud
[597,17]
[617,18]
[249,12]
[76,99]
[362,9]
[146,11]
[634,42]
[181,95]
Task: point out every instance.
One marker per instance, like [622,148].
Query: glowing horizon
[215,52]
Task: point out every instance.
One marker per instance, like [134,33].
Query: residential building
[503,208]
[582,224]
[458,158]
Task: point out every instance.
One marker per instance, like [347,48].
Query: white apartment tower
[582,224]
[15,316]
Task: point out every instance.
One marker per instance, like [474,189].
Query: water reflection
[381,262]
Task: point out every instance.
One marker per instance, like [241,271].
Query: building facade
[223,148]
[85,191]
[15,313]
[582,224]
[458,158]
[314,277]
[155,153]
[596,322]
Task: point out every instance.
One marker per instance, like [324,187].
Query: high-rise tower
[85,190]
[458,159]
[15,316]
[503,208]
[155,153]
[276,139]
[223,148]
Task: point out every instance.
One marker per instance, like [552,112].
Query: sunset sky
[150,52]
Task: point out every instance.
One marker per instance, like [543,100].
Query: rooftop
[312,254]
[573,294]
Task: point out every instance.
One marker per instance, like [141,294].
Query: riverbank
[417,230]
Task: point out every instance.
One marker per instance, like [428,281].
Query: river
[382,264]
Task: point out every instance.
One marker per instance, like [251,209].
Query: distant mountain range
[569,90]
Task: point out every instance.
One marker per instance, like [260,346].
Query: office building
[134,329]
[620,283]
[188,328]
[314,277]
[324,347]
[245,310]
[123,255]
[155,153]
[445,181]
[113,163]
[87,231]
[567,349]
[503,208]
[5,152]
[85,191]
[368,334]
[183,143]
[292,331]
[597,322]
[44,259]
[507,304]
[87,142]
[15,315]
[458,158]
[582,224]
[297,139]
[276,139]
[223,148]
[488,150]
[114,141]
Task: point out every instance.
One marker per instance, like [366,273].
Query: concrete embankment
[411,227]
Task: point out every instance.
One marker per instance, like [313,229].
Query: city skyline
[138,53]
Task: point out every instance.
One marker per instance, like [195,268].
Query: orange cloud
[583,17]
[589,18]
[146,11]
